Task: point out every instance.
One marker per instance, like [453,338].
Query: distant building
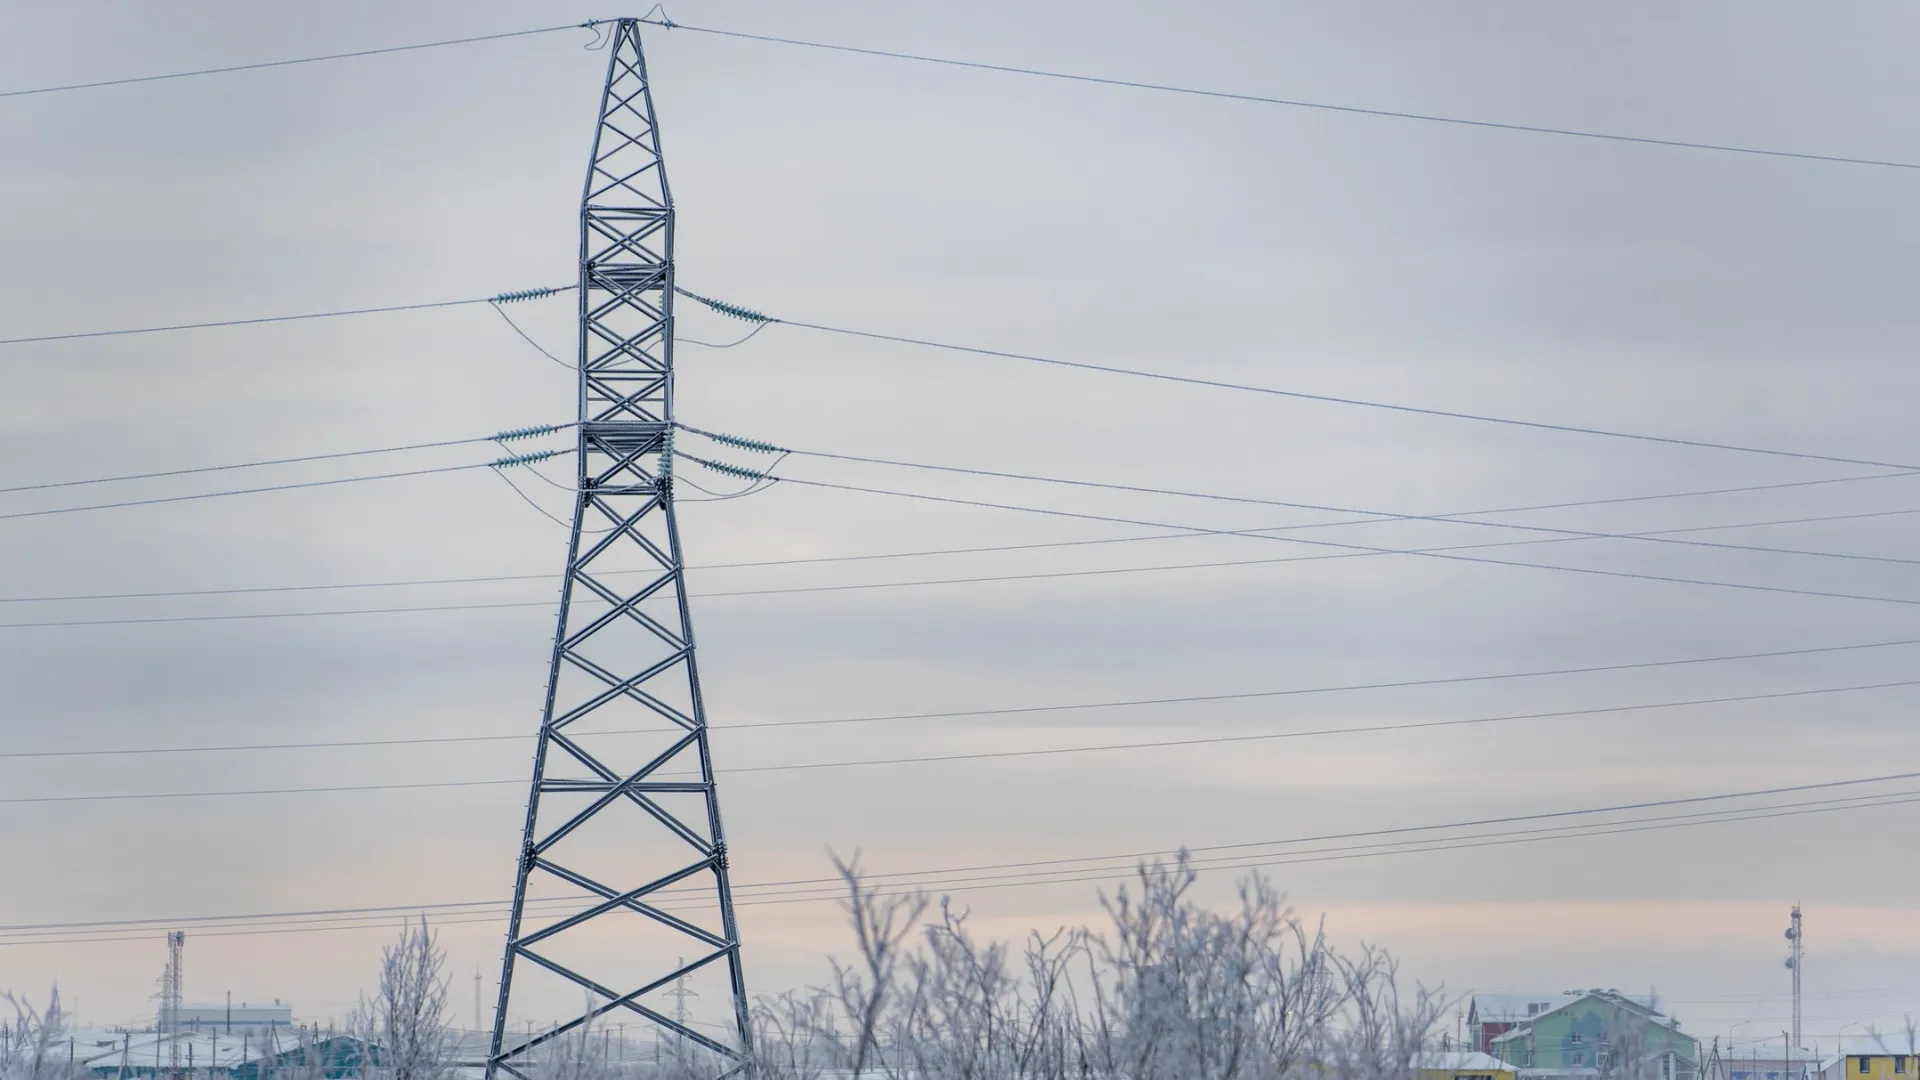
[223,1017]
[1770,1062]
[336,1057]
[1492,1015]
[1597,1033]
[209,1054]
[1459,1065]
[1873,1057]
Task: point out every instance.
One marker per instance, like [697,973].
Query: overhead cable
[1346,852]
[502,436]
[1451,554]
[863,586]
[1181,534]
[521,294]
[834,889]
[910,879]
[1154,744]
[1208,850]
[1363,729]
[1296,103]
[240,491]
[1301,395]
[512,460]
[1013,710]
[264,64]
[1376,515]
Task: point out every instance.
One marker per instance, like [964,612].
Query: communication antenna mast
[170,999]
[623,804]
[1795,955]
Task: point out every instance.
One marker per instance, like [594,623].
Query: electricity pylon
[623,865]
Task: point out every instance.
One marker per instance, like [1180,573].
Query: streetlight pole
[1840,1047]
[1733,1053]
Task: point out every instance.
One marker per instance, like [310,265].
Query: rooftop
[1504,1008]
[1460,1061]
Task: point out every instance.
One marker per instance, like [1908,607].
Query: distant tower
[680,994]
[1795,955]
[622,864]
[170,999]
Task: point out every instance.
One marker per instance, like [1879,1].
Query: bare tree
[793,1036]
[966,1016]
[882,922]
[405,1031]
[1177,992]
[1379,1031]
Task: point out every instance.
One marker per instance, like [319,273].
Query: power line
[1156,744]
[547,429]
[528,294]
[1410,725]
[831,888]
[1441,844]
[158,620]
[798,885]
[537,347]
[241,491]
[1427,844]
[1185,699]
[1508,819]
[864,586]
[262,65]
[1182,534]
[1397,684]
[502,436]
[1295,103]
[1301,395]
[1372,515]
[1448,554]
[1124,856]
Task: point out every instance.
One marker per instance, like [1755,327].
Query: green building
[335,1057]
[1600,1033]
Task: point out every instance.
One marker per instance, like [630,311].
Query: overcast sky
[1698,295]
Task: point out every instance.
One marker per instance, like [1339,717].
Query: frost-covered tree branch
[35,1045]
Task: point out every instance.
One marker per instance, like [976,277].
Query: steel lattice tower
[623,865]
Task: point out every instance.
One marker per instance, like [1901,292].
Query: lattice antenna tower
[170,998]
[623,806]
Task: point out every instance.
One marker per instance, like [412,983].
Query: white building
[227,1017]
